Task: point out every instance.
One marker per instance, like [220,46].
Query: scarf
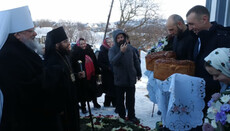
[89,67]
[220,60]
[105,44]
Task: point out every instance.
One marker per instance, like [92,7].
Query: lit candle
[80,63]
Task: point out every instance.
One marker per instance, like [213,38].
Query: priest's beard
[34,45]
[63,50]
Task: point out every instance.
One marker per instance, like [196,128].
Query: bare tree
[91,38]
[72,29]
[80,26]
[139,19]
[44,23]
[136,10]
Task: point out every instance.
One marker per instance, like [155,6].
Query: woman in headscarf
[84,59]
[217,64]
[107,73]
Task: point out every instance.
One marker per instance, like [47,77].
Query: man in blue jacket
[126,68]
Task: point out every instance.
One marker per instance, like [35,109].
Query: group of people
[39,94]
[207,44]
[41,90]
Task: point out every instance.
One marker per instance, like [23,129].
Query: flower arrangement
[218,113]
[159,46]
[163,44]
[111,123]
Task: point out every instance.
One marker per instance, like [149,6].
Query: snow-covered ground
[143,106]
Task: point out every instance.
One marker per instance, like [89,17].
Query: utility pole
[108,19]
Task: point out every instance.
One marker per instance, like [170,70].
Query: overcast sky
[91,11]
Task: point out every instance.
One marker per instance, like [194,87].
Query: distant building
[41,33]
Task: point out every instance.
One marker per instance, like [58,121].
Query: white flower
[228,118]
[94,120]
[212,110]
[159,46]
[121,120]
[213,123]
[115,129]
[98,126]
[211,115]
[217,106]
[225,98]
[89,124]
[127,128]
[206,120]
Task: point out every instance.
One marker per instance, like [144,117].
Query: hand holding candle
[80,64]
[81,74]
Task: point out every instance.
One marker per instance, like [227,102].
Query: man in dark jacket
[61,104]
[21,75]
[184,41]
[210,36]
[126,68]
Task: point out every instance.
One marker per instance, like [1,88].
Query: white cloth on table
[150,86]
[1,104]
[180,98]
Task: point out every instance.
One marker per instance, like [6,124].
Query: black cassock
[61,89]
[21,72]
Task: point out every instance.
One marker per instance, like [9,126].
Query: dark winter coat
[210,40]
[61,91]
[126,66]
[106,71]
[183,45]
[87,89]
[136,53]
[21,83]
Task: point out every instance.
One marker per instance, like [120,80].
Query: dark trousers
[109,100]
[129,92]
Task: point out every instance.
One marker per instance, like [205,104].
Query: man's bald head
[174,24]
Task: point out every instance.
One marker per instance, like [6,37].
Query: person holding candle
[87,91]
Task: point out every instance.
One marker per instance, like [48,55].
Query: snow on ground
[143,106]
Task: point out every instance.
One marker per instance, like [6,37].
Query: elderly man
[21,73]
[184,41]
[210,36]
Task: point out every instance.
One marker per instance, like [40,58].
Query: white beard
[34,45]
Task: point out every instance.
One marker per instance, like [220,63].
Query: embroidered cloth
[180,98]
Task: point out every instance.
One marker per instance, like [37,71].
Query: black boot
[107,101]
[95,104]
[83,109]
